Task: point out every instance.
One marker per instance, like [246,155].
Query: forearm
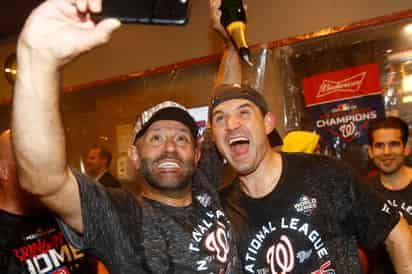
[399,246]
[37,130]
[230,68]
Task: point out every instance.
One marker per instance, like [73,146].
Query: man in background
[98,162]
[388,149]
[25,225]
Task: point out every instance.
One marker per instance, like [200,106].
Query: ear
[269,121]
[370,153]
[4,174]
[134,156]
[407,150]
[198,152]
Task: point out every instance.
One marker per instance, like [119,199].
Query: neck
[265,178]
[397,180]
[179,198]
[97,175]
[15,202]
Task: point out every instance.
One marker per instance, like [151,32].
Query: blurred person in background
[97,166]
[30,239]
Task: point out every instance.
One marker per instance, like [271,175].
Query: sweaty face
[240,134]
[167,155]
[387,151]
[94,163]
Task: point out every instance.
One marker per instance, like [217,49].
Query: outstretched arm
[55,33]
[399,246]
[230,68]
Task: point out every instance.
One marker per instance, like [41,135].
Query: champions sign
[340,104]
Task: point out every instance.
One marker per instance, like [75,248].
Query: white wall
[138,47]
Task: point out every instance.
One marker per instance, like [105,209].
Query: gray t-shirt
[132,234]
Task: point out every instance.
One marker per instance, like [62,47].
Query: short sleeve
[369,214]
[105,213]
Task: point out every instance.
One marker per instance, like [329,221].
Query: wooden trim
[214,57]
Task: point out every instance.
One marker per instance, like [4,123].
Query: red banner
[342,84]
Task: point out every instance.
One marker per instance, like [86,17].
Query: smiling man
[293,212]
[176,225]
[388,149]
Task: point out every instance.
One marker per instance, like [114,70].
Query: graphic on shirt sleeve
[289,245]
[403,207]
[210,239]
[48,253]
[306,205]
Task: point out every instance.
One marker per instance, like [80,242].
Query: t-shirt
[402,201]
[310,222]
[35,245]
[132,234]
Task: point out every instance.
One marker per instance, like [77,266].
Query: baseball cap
[227,92]
[274,138]
[300,141]
[167,110]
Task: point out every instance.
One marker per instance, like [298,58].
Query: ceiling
[12,16]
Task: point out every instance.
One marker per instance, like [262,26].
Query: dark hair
[389,122]
[103,153]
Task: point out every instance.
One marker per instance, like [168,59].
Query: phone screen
[173,12]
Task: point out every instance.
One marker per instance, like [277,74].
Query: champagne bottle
[233,20]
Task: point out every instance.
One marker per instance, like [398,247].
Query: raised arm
[230,68]
[399,246]
[54,34]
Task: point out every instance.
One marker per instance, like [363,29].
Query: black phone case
[170,12]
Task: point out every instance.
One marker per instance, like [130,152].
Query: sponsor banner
[343,84]
[347,119]
[341,104]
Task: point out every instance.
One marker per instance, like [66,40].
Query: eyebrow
[390,142]
[180,129]
[244,105]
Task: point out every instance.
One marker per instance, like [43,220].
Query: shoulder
[109,180]
[230,192]
[94,194]
[314,163]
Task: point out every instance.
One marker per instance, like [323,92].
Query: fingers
[214,6]
[215,12]
[86,6]
[103,31]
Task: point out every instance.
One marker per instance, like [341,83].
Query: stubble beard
[179,185]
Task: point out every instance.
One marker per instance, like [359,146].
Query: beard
[180,182]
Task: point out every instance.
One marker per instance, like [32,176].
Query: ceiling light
[10,68]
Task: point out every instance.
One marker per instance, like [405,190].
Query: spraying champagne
[234,21]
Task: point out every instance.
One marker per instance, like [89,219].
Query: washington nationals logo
[217,242]
[281,255]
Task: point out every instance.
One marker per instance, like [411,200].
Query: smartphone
[169,12]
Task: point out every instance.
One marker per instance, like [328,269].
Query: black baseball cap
[167,110]
[228,92]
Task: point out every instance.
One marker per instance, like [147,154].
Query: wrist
[29,55]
